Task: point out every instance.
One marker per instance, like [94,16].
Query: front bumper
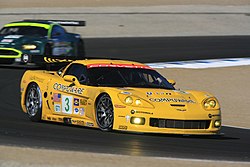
[10,55]
[200,125]
[14,56]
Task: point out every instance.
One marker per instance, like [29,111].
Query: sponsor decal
[149,93]
[76,111]
[181,110]
[83,102]
[60,50]
[89,124]
[143,112]
[126,93]
[127,118]
[77,122]
[7,40]
[68,89]
[81,110]
[76,102]
[158,93]
[171,100]
[67,104]
[35,51]
[119,106]
[56,97]
[181,91]
[13,36]
[123,127]
[119,66]
[57,108]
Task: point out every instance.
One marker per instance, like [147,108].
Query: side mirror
[172,82]
[72,79]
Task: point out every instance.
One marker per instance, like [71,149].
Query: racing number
[67,104]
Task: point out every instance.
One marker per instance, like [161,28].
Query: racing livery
[117,95]
[28,41]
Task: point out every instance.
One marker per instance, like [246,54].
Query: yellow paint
[166,104]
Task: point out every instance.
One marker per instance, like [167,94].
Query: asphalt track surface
[165,49]
[17,129]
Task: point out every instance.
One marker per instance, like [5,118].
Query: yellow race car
[117,95]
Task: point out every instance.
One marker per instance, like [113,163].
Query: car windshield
[24,30]
[127,77]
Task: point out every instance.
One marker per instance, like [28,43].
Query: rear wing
[61,22]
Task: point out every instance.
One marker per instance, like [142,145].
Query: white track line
[204,160]
[198,64]
[238,127]
[185,159]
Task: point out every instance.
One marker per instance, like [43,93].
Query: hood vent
[177,105]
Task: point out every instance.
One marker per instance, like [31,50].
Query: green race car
[30,41]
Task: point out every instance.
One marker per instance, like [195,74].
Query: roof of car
[91,63]
[43,24]
[34,21]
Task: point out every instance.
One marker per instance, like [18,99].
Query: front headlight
[29,47]
[128,100]
[211,103]
[134,101]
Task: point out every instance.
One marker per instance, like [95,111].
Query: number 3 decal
[67,104]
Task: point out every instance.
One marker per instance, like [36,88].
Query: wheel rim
[104,112]
[33,101]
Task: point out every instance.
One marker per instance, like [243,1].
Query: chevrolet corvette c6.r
[28,41]
[117,95]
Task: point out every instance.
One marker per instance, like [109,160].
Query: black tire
[104,112]
[47,50]
[80,50]
[33,102]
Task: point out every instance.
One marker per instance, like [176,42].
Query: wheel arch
[26,89]
[25,93]
[38,114]
[99,96]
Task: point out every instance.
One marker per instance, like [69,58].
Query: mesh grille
[8,52]
[179,124]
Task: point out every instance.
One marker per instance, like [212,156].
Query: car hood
[5,41]
[155,96]
[169,103]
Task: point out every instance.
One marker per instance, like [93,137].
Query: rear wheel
[104,113]
[48,50]
[33,102]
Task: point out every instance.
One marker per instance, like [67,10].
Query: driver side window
[57,31]
[79,71]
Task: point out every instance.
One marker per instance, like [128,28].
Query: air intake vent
[179,124]
[8,52]
[177,105]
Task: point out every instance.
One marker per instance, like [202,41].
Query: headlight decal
[29,47]
[134,101]
[211,103]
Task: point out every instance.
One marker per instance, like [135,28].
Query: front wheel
[104,113]
[33,102]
